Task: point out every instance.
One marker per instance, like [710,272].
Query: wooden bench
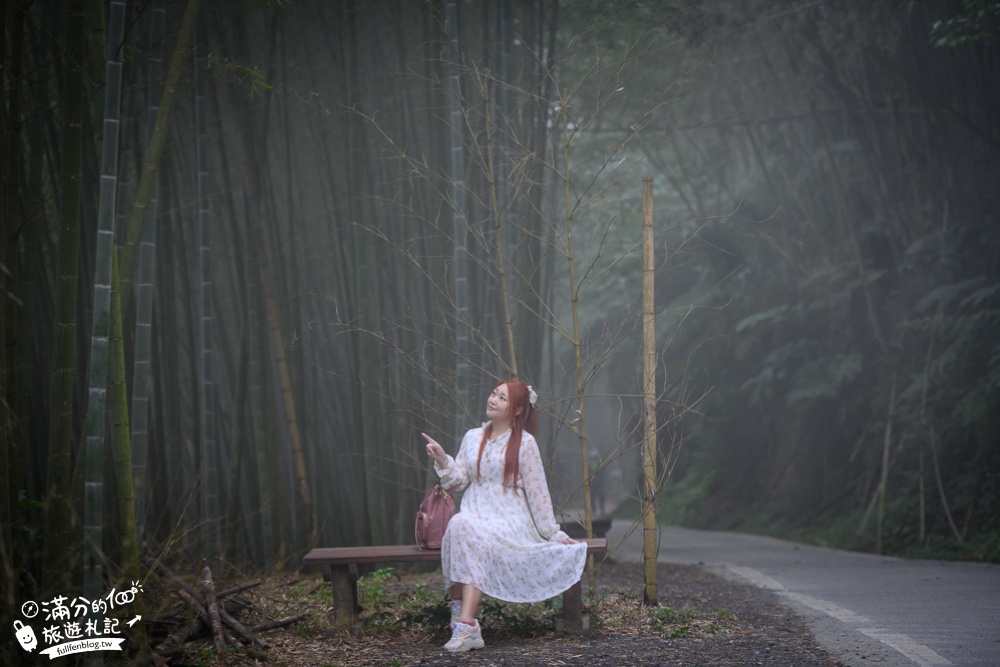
[340,568]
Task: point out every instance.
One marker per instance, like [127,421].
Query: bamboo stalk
[940,486]
[499,258]
[102,314]
[123,454]
[59,550]
[649,533]
[460,260]
[151,161]
[581,428]
[143,355]
[886,448]
[276,337]
[210,477]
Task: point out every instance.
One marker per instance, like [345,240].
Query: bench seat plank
[396,553]
[400,553]
[339,566]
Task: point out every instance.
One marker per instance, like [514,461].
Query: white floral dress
[506,543]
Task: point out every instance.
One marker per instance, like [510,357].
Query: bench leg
[573,620]
[344,582]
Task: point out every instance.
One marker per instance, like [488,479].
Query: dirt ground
[701,620]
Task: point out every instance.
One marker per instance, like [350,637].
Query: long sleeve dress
[506,543]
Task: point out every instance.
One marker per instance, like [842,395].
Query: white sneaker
[456,612]
[465,638]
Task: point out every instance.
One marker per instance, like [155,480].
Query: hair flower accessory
[532,396]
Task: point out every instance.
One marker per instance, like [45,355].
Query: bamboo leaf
[824,377]
[981,295]
[947,294]
[765,317]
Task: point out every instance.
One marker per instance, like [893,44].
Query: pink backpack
[435,511]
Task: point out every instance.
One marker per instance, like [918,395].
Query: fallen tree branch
[212,605]
[229,592]
[211,621]
[238,589]
[196,606]
[241,630]
[280,622]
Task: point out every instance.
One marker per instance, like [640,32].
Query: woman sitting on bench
[504,541]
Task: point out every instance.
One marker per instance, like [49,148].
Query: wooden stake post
[649,533]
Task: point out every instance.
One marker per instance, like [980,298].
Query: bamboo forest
[252,250]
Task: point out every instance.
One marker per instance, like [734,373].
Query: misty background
[329,226]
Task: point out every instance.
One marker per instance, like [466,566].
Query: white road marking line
[918,653]
[828,608]
[757,578]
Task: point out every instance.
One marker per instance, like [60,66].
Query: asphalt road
[865,610]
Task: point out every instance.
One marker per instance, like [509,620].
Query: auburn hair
[523,418]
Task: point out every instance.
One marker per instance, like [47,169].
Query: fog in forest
[253,249]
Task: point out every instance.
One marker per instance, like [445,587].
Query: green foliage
[800,371]
[676,633]
[416,605]
[25,502]
[27,529]
[824,377]
[531,620]
[413,605]
[974,23]
[372,586]
[671,621]
[680,502]
[322,593]
[248,78]
[423,607]
[208,655]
